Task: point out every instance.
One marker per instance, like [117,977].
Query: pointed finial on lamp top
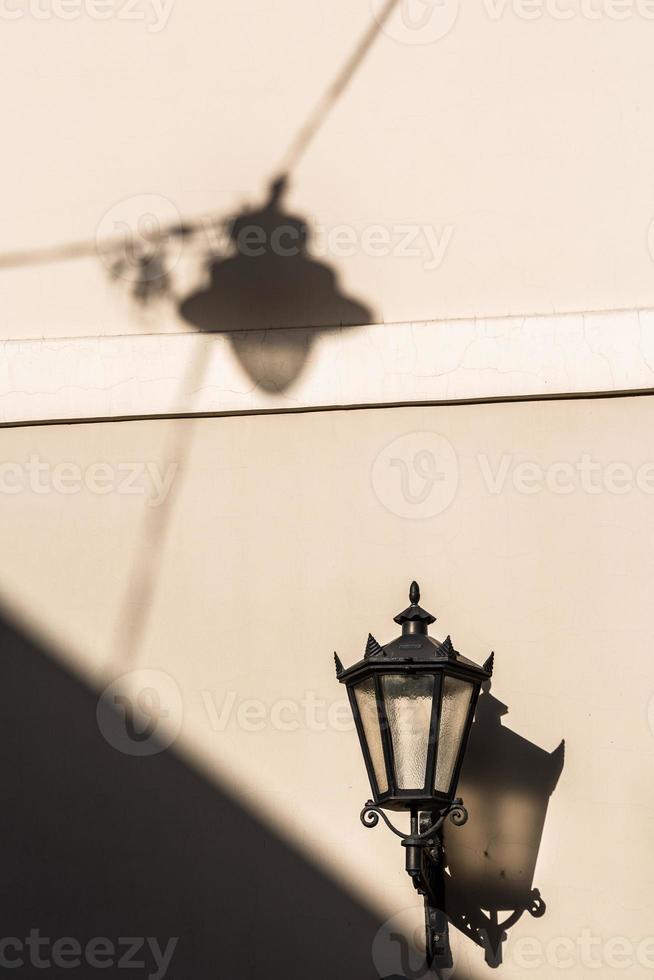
[488,664]
[339,665]
[414,615]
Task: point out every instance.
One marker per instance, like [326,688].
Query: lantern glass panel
[408,703]
[366,697]
[455,705]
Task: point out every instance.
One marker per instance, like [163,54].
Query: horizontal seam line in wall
[305,409]
[455,318]
[463,318]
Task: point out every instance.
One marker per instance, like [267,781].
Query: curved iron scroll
[370,818]
[455,811]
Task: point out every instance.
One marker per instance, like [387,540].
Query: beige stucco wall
[504,156]
[284,538]
[519,136]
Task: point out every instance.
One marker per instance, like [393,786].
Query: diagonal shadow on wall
[96,843]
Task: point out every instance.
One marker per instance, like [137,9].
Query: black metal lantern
[413,702]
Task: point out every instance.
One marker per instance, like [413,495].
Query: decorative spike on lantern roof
[373,648]
[447,648]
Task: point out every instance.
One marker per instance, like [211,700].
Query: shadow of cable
[270,297]
[506,783]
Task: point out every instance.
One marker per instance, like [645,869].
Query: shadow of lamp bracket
[413,702]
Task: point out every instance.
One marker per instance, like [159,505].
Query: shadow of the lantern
[506,784]
[270,297]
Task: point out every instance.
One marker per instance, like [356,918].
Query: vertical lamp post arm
[425,865]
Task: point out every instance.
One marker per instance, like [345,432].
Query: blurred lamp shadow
[506,783]
[271,286]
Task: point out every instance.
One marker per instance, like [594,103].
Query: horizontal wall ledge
[304,369]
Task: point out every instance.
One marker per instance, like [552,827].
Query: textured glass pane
[454,714]
[408,702]
[367,702]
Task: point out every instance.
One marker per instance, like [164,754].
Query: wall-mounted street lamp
[413,702]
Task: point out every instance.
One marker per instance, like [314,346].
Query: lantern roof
[414,646]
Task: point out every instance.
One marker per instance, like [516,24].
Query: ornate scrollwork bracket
[455,811]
